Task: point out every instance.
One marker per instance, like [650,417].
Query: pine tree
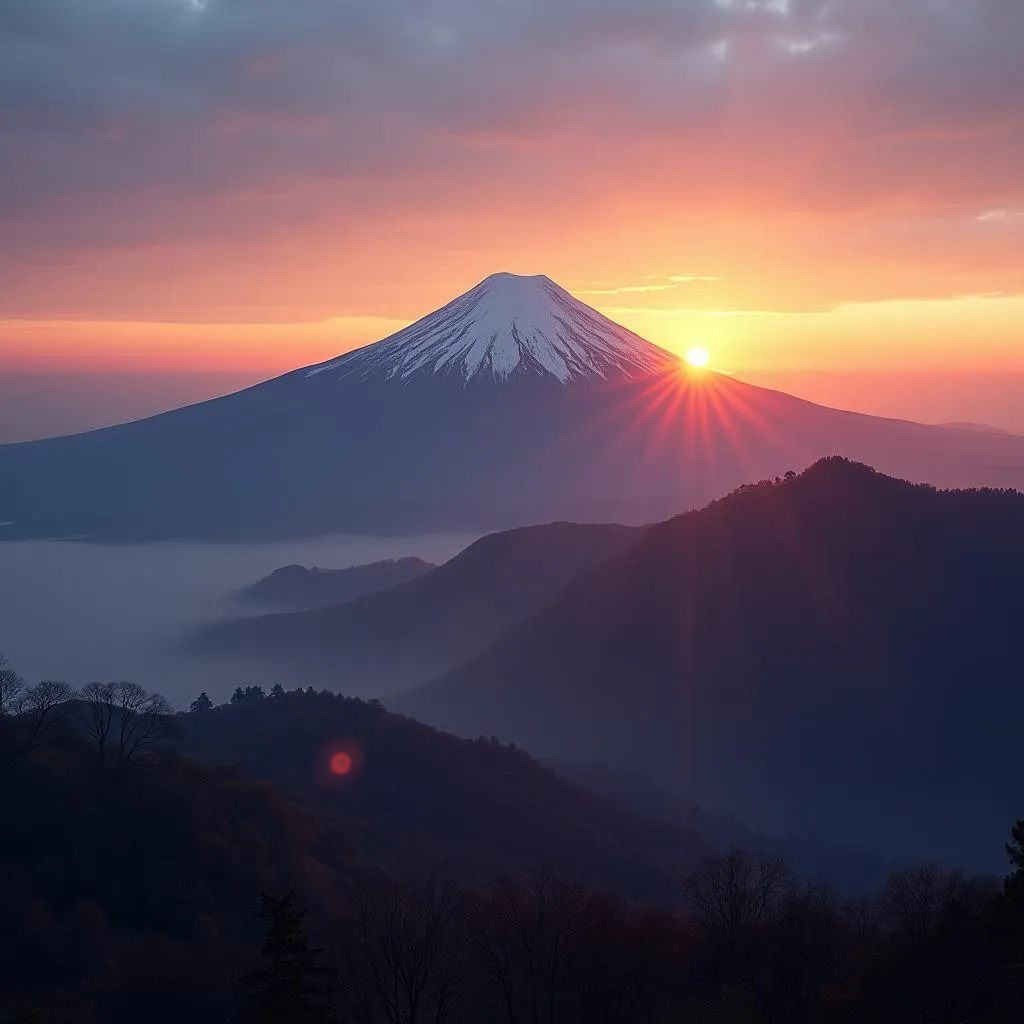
[1015,848]
[288,987]
[201,703]
[1014,887]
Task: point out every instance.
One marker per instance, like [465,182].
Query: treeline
[124,722]
[134,895]
[750,944]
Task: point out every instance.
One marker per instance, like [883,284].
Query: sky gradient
[232,188]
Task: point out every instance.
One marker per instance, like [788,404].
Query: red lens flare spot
[341,763]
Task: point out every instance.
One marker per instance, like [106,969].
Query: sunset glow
[710,174]
[697,357]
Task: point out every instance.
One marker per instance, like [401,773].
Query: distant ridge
[295,586]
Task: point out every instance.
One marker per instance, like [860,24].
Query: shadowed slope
[836,652]
[419,801]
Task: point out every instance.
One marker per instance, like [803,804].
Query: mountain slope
[514,404]
[834,652]
[417,801]
[398,637]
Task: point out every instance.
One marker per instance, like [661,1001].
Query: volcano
[513,404]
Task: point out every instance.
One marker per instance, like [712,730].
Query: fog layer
[80,612]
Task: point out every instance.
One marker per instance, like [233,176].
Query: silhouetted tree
[524,935]
[277,690]
[799,955]
[201,703]
[1011,909]
[1015,848]
[144,720]
[98,702]
[127,715]
[11,687]
[401,958]
[248,693]
[28,715]
[288,987]
[731,898]
[735,891]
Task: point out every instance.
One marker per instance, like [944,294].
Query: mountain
[838,651]
[295,586]
[402,636]
[513,404]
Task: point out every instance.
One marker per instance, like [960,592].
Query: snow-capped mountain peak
[508,325]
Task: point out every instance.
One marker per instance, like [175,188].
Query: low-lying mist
[80,612]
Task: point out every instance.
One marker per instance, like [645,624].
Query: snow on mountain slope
[508,324]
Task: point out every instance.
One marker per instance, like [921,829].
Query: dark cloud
[141,122]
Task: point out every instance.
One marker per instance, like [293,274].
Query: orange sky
[967,334]
[797,185]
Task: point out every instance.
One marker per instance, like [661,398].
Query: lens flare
[341,762]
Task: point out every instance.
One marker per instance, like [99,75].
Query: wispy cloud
[1003,216]
[658,283]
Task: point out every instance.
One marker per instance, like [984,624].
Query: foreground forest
[141,884]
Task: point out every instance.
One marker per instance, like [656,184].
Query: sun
[699,357]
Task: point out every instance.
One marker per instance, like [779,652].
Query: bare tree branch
[28,716]
[143,720]
[402,957]
[733,892]
[98,701]
[12,687]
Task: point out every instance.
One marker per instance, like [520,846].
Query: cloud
[670,282]
[196,133]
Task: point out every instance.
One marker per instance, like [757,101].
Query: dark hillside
[419,801]
[837,651]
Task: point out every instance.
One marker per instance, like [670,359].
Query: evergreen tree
[1014,889]
[1015,848]
[288,987]
[238,696]
[277,690]
[201,703]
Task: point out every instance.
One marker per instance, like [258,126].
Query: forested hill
[133,878]
[419,800]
